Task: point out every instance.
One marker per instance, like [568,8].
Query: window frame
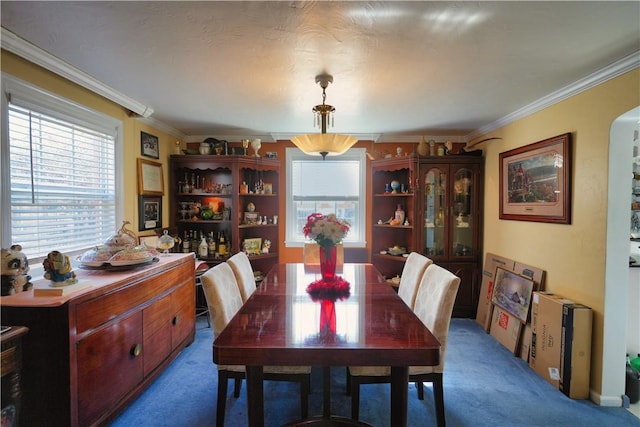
[28,95]
[293,154]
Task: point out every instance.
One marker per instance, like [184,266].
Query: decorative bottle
[203,249]
[399,215]
[222,245]
[186,243]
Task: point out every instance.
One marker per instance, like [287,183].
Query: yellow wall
[29,72]
[572,255]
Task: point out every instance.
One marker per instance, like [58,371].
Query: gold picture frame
[252,246]
[150,180]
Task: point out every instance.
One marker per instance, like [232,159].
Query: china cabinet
[231,201]
[442,200]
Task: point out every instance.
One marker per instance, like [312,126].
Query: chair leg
[222,398]
[420,388]
[237,385]
[438,396]
[355,398]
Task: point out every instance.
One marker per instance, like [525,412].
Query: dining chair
[434,306]
[243,272]
[223,297]
[412,273]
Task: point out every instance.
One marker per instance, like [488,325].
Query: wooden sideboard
[90,353]
[10,371]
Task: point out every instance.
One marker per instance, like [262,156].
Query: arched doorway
[616,297]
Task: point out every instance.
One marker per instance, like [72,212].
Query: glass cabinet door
[462,214]
[435,203]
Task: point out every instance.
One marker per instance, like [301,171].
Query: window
[60,174]
[335,185]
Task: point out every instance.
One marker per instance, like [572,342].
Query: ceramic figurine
[14,267]
[57,268]
[255,145]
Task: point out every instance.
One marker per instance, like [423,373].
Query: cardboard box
[505,328]
[575,365]
[561,343]
[525,342]
[485,307]
[534,273]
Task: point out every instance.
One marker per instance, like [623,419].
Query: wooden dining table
[282,324]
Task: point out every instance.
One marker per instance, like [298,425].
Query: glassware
[165,242]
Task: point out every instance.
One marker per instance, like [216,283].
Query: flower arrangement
[326,230]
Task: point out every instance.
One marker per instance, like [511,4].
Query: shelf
[390,257]
[406,227]
[256,195]
[394,195]
[257,225]
[203,194]
[203,221]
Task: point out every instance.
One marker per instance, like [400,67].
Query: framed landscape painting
[535,181]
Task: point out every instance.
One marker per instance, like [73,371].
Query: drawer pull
[136,350]
[176,320]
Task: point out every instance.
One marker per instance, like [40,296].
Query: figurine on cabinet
[57,267]
[14,271]
[266,245]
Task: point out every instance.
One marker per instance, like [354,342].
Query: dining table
[366,323]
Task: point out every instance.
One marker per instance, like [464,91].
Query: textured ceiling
[240,69]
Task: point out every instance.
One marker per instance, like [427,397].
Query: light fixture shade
[324,144]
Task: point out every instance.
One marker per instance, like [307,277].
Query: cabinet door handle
[176,320]
[136,350]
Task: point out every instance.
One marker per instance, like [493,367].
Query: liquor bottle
[212,245]
[186,243]
[203,249]
[222,245]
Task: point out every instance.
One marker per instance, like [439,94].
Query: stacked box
[485,306]
[561,343]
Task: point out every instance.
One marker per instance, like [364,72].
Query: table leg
[399,395]
[255,396]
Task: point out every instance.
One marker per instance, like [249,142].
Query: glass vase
[328,256]
[327,316]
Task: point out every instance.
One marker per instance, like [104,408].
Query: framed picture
[535,181]
[271,155]
[252,246]
[251,217]
[149,212]
[268,188]
[512,293]
[150,180]
[149,145]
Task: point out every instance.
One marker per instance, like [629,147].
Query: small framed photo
[149,145]
[271,155]
[149,212]
[252,246]
[512,293]
[251,217]
[268,188]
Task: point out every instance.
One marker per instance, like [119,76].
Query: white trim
[619,67]
[601,400]
[24,49]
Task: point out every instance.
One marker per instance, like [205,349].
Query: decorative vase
[255,145]
[327,316]
[423,148]
[328,260]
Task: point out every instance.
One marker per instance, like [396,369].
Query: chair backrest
[311,254]
[434,304]
[412,273]
[243,271]
[222,294]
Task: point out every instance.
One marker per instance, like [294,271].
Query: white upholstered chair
[224,300]
[434,306]
[243,271]
[412,272]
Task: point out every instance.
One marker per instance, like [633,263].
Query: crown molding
[163,127]
[360,136]
[24,49]
[626,64]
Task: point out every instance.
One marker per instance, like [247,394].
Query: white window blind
[335,185]
[62,183]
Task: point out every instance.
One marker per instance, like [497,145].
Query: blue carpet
[484,385]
